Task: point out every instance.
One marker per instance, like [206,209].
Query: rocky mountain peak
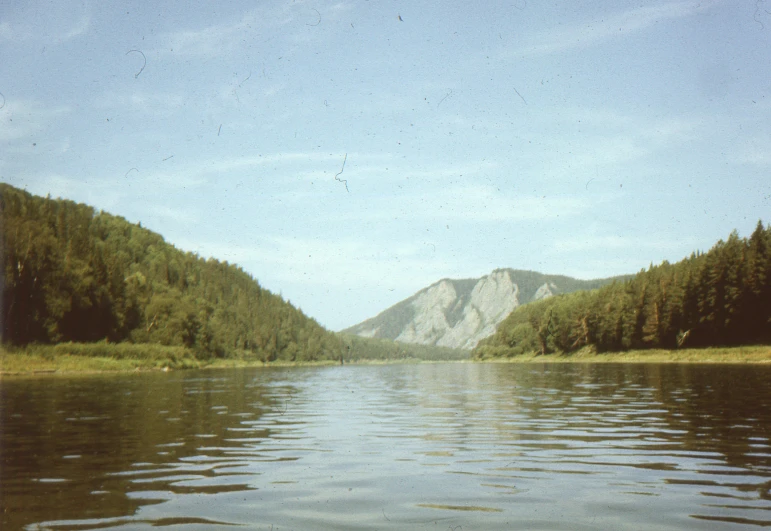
[460,313]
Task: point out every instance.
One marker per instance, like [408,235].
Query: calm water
[391,447]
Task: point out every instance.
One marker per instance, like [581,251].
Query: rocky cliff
[460,313]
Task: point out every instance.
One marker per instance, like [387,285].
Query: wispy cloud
[23,118]
[484,203]
[156,103]
[6,31]
[168,213]
[221,39]
[336,262]
[591,32]
[611,243]
[754,151]
[47,25]
[79,28]
[96,192]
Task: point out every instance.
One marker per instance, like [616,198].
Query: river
[455,446]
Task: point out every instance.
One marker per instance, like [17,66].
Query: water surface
[391,447]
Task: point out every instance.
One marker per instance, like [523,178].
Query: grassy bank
[748,354]
[94,357]
[127,357]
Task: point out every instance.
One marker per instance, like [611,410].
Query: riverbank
[94,357]
[74,358]
[84,358]
[746,354]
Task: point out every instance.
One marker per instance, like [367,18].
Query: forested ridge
[718,298]
[74,274]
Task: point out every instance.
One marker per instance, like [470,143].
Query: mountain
[460,313]
[74,274]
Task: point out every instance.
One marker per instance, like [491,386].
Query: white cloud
[177,215]
[325,262]
[6,31]
[80,27]
[591,32]
[221,39]
[43,22]
[593,242]
[483,203]
[23,118]
[154,103]
[754,151]
[97,193]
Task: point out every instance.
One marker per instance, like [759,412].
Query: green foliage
[74,275]
[720,298]
[357,348]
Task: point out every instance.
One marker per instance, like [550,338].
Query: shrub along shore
[744,354]
[68,358]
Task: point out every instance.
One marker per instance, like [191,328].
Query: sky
[350,153]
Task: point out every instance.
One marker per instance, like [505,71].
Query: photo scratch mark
[219,130]
[319,21]
[3,96]
[130,170]
[445,97]
[143,57]
[520,95]
[757,12]
[167,158]
[337,175]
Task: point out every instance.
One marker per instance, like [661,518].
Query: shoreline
[41,361]
[89,359]
[746,355]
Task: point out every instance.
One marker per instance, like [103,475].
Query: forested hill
[718,298]
[72,274]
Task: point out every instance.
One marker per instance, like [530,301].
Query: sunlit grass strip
[127,357]
[746,354]
[94,357]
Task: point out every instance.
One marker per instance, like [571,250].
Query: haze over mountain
[459,313]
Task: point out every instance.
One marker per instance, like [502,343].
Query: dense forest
[718,298]
[74,274]
[357,348]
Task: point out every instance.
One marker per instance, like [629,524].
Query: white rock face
[369,332]
[491,300]
[544,292]
[460,313]
[430,323]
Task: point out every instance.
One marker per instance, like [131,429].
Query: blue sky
[579,138]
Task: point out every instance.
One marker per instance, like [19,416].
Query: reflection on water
[396,446]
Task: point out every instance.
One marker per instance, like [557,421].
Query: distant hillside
[718,298]
[459,313]
[73,274]
[357,348]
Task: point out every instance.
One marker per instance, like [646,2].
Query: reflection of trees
[107,437]
[718,412]
[720,409]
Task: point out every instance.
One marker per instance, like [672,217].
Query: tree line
[718,298]
[358,348]
[74,274]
